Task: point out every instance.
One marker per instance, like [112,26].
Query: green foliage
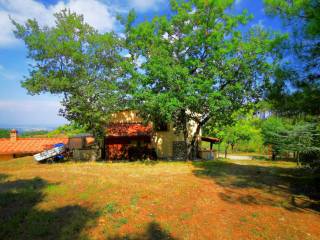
[296,89]
[69,130]
[34,133]
[4,133]
[243,135]
[272,129]
[74,60]
[243,131]
[304,10]
[197,65]
[301,138]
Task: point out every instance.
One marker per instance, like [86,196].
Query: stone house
[126,130]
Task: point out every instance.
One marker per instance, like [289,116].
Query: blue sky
[19,108]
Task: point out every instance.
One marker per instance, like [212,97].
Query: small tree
[242,131]
[272,130]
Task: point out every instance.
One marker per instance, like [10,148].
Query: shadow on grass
[21,219]
[291,188]
[153,232]
[267,158]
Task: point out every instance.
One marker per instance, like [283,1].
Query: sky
[17,107]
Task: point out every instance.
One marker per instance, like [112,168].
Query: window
[161,126]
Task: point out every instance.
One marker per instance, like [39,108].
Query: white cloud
[95,13]
[144,5]
[237,2]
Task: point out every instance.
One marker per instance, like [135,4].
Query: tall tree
[196,65]
[296,88]
[74,60]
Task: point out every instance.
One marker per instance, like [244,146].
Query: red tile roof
[27,145]
[128,130]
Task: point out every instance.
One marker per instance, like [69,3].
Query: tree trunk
[103,150]
[99,136]
[186,139]
[298,160]
[232,147]
[226,151]
[188,149]
[194,143]
[100,150]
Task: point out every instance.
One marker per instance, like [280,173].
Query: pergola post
[211,141]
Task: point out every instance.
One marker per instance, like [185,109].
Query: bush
[311,160]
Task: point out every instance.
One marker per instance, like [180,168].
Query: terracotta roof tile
[27,145]
[128,129]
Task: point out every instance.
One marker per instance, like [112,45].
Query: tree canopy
[197,65]
[74,60]
[193,66]
[296,88]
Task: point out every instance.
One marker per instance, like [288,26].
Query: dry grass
[166,200]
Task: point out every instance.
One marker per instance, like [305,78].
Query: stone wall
[85,154]
[179,150]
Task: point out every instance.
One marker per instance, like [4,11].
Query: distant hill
[67,130]
[28,128]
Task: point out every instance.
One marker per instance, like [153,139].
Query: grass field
[165,200]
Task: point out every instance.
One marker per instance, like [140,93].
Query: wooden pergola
[211,140]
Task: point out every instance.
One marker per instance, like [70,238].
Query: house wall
[163,142]
[23,155]
[129,116]
[6,156]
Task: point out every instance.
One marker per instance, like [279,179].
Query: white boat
[49,153]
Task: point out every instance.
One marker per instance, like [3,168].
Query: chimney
[13,135]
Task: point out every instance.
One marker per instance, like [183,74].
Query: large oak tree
[198,64]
